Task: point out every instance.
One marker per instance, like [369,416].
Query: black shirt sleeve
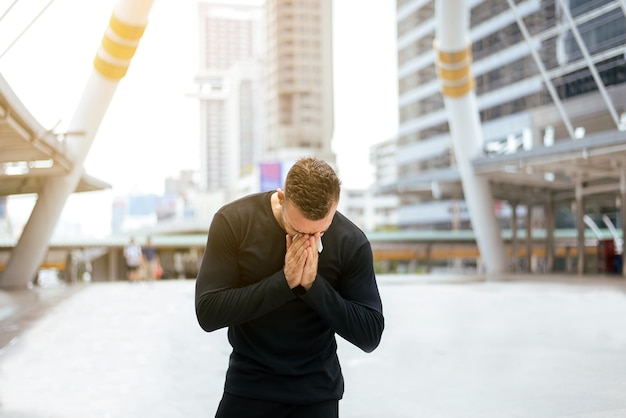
[220,299]
[354,310]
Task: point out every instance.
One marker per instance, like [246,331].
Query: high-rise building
[299,81]
[536,84]
[230,91]
[384,198]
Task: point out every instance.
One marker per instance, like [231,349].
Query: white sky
[150,130]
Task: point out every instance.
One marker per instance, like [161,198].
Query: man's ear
[280,195]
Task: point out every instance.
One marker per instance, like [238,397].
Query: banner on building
[271,176]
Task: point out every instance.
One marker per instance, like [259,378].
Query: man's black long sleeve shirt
[283,341]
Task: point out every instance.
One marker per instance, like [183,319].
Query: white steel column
[118,46]
[529,237]
[544,73]
[580,227]
[453,52]
[591,65]
[514,240]
[550,224]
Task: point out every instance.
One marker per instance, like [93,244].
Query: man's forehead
[302,225]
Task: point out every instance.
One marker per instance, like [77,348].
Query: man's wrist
[299,290]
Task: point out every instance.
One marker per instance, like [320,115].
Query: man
[134,257]
[284,271]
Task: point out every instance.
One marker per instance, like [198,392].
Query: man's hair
[313,186]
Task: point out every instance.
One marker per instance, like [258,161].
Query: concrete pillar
[529,237]
[112,264]
[71,268]
[568,259]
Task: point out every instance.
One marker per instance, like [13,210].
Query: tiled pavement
[454,346]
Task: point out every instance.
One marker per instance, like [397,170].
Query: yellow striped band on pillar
[454,71]
[118,47]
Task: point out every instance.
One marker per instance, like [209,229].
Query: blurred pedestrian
[152,261]
[283,295]
[134,258]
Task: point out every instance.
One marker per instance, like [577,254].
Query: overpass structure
[410,251]
[576,168]
[64,159]
[30,153]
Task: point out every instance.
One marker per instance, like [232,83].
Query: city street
[454,346]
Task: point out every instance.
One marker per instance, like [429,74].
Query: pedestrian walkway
[453,346]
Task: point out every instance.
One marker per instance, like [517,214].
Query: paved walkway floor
[453,347]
